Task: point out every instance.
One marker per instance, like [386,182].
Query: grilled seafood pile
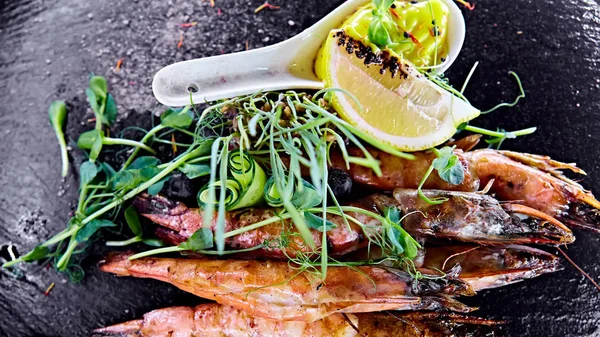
[473,241]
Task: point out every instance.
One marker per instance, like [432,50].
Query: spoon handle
[285,65]
[212,78]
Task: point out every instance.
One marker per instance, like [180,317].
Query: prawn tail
[131,328]
[466,143]
[117,264]
[169,214]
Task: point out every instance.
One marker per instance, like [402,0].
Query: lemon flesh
[398,105]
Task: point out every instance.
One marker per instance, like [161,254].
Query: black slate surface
[49,47]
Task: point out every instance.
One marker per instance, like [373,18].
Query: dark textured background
[49,47]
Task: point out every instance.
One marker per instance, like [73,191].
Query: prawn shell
[278,290]
[213,320]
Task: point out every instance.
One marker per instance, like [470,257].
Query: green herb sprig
[378,33]
[57,113]
[449,169]
[103,189]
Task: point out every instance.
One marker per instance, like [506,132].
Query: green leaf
[145,161]
[38,253]
[448,166]
[394,236]
[108,170]
[110,111]
[392,214]
[148,173]
[401,241]
[133,221]
[87,172]
[127,179]
[454,172]
[410,247]
[378,34]
[175,119]
[93,100]
[99,87]
[87,139]
[387,4]
[316,222]
[57,113]
[193,171]
[89,229]
[158,186]
[96,148]
[153,242]
[201,239]
[307,198]
[443,156]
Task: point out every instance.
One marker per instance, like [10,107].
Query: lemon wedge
[398,105]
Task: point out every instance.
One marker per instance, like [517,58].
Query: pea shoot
[57,113]
[449,169]
[102,189]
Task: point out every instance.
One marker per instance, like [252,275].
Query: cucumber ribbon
[244,186]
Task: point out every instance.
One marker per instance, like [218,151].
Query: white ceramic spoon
[285,65]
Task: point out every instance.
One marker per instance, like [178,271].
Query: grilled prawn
[469,217]
[530,180]
[213,320]
[280,291]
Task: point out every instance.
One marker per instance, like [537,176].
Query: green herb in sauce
[415,30]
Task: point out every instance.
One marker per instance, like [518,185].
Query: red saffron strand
[49,289]
[466,4]
[180,43]
[173,145]
[187,24]
[265,5]
[119,64]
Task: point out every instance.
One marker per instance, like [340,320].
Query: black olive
[178,187]
[340,182]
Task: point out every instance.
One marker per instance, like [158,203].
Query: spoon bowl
[286,65]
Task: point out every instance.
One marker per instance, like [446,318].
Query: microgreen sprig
[103,189]
[498,136]
[449,169]
[57,113]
